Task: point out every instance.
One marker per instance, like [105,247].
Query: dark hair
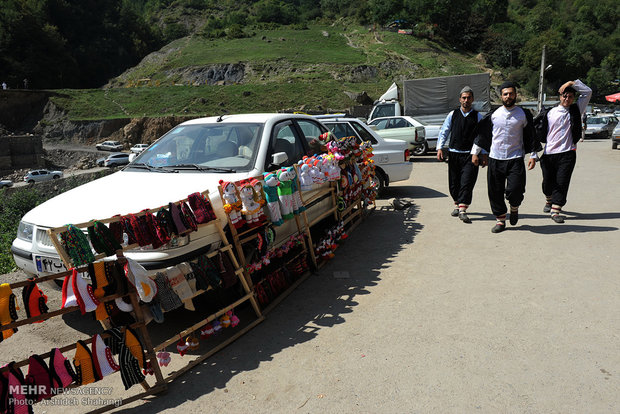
[507,84]
[570,89]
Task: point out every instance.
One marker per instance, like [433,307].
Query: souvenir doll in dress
[298,205]
[271,194]
[232,203]
[304,176]
[250,208]
[285,193]
[260,198]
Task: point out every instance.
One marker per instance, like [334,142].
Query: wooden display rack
[224,248]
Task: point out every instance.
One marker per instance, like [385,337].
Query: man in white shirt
[561,128]
[506,134]
[457,134]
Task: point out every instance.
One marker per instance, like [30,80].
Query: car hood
[126,192]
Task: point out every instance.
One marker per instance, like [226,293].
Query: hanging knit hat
[135,346]
[206,272]
[128,229]
[138,276]
[179,224]
[102,357]
[102,239]
[76,292]
[130,368]
[166,296]
[84,364]
[34,300]
[8,310]
[16,382]
[203,210]
[188,217]
[76,245]
[164,218]
[116,228]
[40,377]
[61,370]
[159,235]
[140,230]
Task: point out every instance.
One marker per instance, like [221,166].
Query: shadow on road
[322,301]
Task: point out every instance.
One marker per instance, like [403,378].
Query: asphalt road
[421,313]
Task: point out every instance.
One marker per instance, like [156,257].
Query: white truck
[429,100]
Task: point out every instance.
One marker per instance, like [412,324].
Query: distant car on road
[6,183]
[36,176]
[114,160]
[600,126]
[138,148]
[110,146]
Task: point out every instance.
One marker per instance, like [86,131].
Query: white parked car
[138,148]
[420,135]
[6,183]
[191,157]
[391,156]
[36,176]
[116,159]
[110,146]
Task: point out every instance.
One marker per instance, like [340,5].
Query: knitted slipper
[34,300]
[135,346]
[8,310]
[84,365]
[17,400]
[182,347]
[137,276]
[99,283]
[40,376]
[167,298]
[102,357]
[122,305]
[130,368]
[61,370]
[163,358]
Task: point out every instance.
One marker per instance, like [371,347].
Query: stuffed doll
[260,198]
[298,205]
[232,203]
[285,193]
[271,195]
[305,180]
[250,208]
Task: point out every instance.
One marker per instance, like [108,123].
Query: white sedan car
[391,156]
[138,148]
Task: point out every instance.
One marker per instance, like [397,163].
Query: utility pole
[541,80]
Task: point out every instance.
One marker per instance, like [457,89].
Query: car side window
[400,123]
[284,140]
[363,133]
[311,132]
[382,124]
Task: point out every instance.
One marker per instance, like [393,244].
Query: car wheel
[378,181]
[614,145]
[421,149]
[30,181]
[56,177]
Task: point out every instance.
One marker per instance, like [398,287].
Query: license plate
[49,264]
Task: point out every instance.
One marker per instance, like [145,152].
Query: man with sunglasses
[560,128]
[459,126]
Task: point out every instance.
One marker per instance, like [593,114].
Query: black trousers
[462,176]
[557,170]
[505,178]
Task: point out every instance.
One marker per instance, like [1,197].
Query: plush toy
[332,169]
[182,347]
[315,172]
[206,331]
[232,203]
[305,180]
[298,205]
[234,320]
[192,343]
[250,208]
[285,194]
[271,194]
[225,321]
[260,198]
[217,327]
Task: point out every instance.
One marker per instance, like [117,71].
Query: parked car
[403,128]
[193,156]
[6,183]
[36,176]
[391,156]
[116,159]
[615,137]
[110,146]
[138,148]
[600,126]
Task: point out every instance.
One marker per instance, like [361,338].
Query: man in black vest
[457,132]
[560,128]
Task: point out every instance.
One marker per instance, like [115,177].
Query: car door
[284,139]
[310,132]
[44,175]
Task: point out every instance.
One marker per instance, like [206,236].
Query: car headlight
[24,231]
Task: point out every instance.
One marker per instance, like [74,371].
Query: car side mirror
[279,158]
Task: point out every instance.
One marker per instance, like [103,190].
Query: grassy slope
[298,67]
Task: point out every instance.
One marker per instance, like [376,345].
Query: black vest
[462,130]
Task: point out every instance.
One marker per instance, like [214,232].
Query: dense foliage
[70,43]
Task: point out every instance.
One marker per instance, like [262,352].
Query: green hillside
[285,69]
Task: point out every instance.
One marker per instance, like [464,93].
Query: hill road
[421,313]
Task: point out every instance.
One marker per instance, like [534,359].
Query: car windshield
[206,147]
[597,120]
